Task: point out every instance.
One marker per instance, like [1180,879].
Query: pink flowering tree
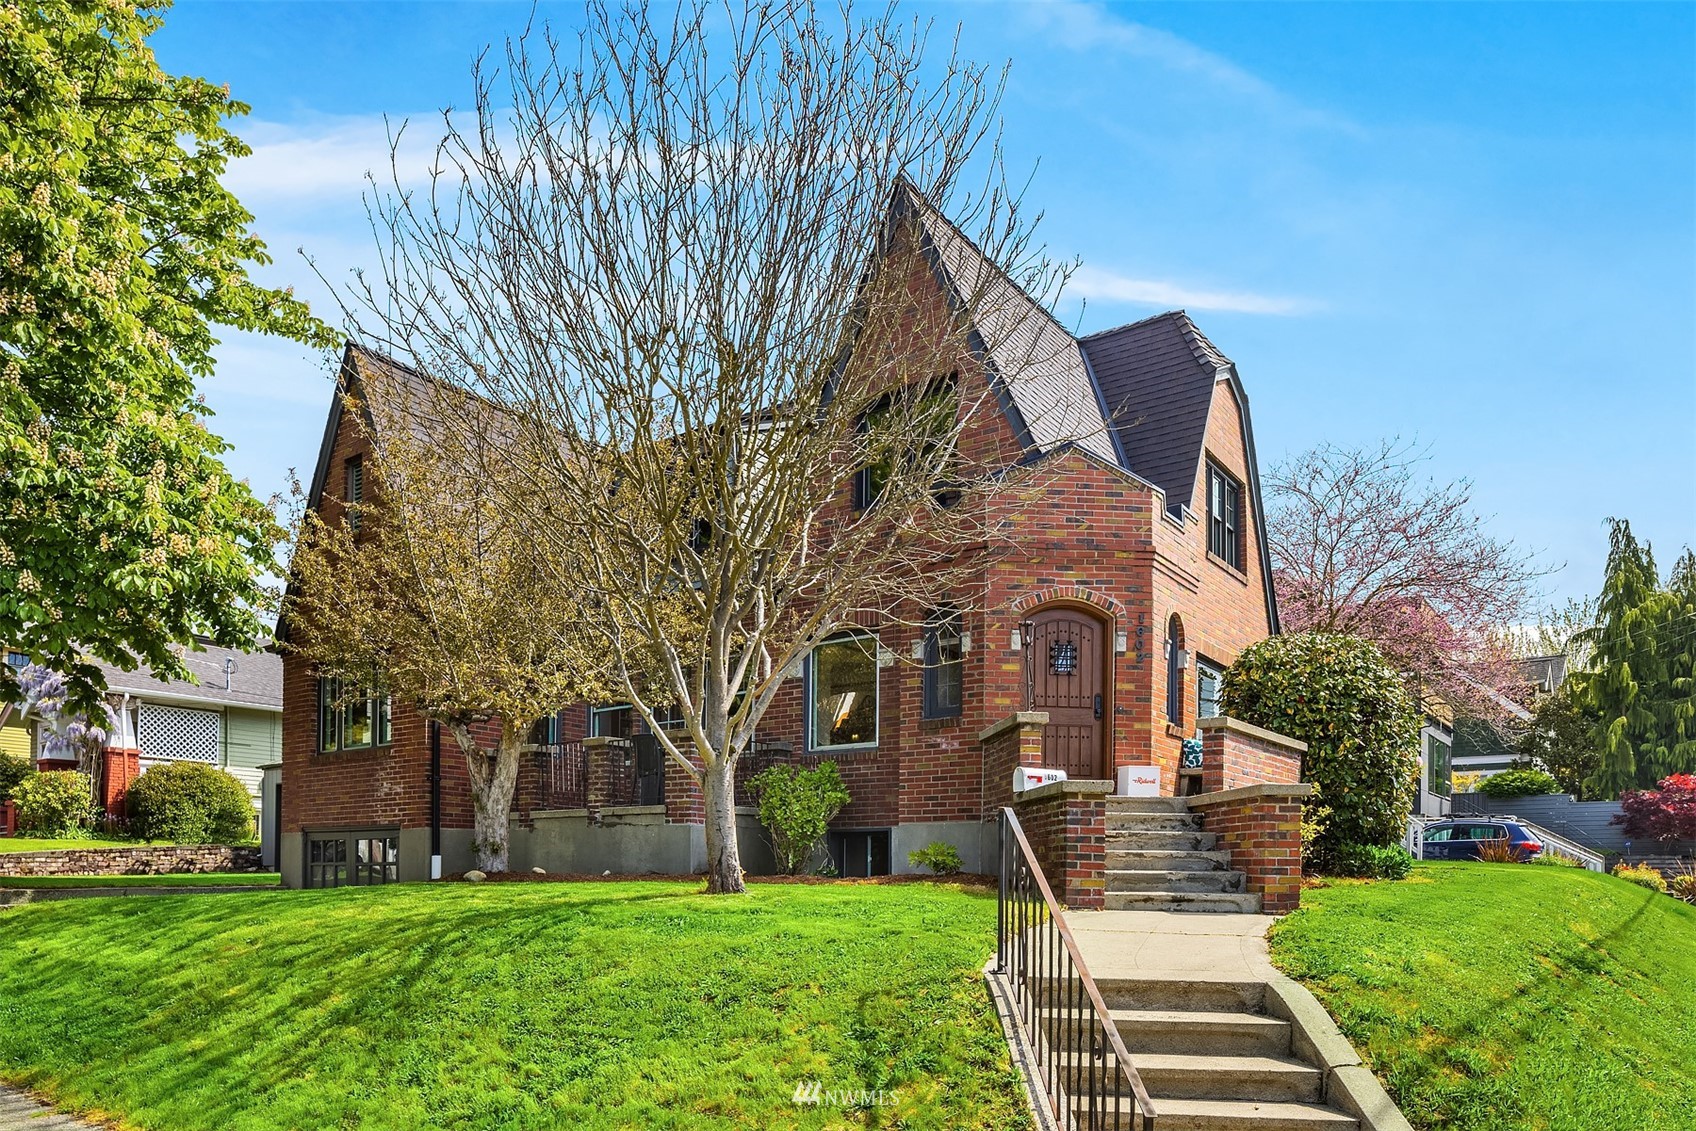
[1362,544]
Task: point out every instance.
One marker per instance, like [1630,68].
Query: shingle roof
[1037,361]
[1157,377]
[257,680]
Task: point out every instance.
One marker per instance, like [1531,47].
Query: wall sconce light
[1121,642]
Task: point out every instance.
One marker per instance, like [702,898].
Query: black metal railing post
[1086,1074]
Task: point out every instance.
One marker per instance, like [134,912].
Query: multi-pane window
[353,488]
[18,660]
[859,852]
[1438,770]
[842,693]
[1175,671]
[546,730]
[351,717]
[1224,517]
[1207,682]
[615,720]
[358,858]
[945,664]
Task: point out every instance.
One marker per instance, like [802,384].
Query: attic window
[353,489]
[1224,517]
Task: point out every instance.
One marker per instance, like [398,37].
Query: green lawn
[595,1005]
[1493,997]
[169,880]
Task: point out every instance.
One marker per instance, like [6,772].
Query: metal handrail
[1088,1078]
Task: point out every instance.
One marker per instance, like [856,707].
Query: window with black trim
[842,693]
[928,410]
[1208,680]
[945,663]
[352,858]
[1175,659]
[350,717]
[353,489]
[1439,772]
[1224,517]
[859,852]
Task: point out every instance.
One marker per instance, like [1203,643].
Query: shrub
[190,803]
[940,857]
[1315,816]
[13,769]
[1338,695]
[1557,858]
[1683,884]
[1518,783]
[1667,813]
[1498,851]
[1370,861]
[796,805]
[1642,875]
[55,803]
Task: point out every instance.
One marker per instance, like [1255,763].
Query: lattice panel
[177,734]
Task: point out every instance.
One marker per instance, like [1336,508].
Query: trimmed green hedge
[190,803]
[1518,783]
[55,803]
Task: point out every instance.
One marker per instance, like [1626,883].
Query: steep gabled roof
[1157,377]
[1040,370]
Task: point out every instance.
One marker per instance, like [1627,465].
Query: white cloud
[1080,25]
[1094,283]
[329,158]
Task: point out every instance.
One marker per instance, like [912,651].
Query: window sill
[843,751]
[937,722]
[1173,730]
[1227,567]
[354,752]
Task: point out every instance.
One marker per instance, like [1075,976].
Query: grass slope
[168,880]
[1509,998]
[594,1005]
[38,844]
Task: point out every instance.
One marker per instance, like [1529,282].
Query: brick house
[1097,643]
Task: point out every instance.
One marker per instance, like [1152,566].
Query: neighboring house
[15,737]
[1436,772]
[1480,748]
[1136,580]
[231,718]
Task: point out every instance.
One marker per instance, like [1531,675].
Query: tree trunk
[494,779]
[724,862]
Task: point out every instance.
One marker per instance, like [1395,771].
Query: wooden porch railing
[1087,1077]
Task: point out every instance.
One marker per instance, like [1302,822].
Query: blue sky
[1474,225]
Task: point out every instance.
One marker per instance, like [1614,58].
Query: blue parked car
[1458,838]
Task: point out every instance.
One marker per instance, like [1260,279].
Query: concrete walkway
[20,1113]
[1213,947]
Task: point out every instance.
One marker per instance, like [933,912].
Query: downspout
[435,800]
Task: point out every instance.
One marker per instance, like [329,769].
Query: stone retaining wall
[142,861]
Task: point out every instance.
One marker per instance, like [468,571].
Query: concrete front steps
[1213,1059]
[1160,859]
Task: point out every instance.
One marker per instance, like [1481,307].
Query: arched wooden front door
[1066,675]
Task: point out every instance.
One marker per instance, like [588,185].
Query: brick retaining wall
[1235,754]
[1260,825]
[145,861]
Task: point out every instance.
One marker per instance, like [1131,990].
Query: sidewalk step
[1152,822]
[1227,1115]
[1176,881]
[1175,859]
[1164,840]
[1259,1078]
[1182,994]
[1240,902]
[1201,1032]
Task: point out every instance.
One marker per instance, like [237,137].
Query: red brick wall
[1067,830]
[1236,754]
[119,769]
[1261,828]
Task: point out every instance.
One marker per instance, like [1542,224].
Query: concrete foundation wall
[634,839]
[977,841]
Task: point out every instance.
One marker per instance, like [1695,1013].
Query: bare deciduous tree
[705,280]
[430,591]
[1361,543]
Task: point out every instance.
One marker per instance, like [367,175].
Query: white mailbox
[1029,777]
[1138,781]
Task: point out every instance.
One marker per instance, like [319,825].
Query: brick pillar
[1260,826]
[1014,741]
[118,769]
[611,764]
[684,802]
[8,818]
[1066,824]
[1235,754]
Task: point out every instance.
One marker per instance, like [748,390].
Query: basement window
[859,852]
